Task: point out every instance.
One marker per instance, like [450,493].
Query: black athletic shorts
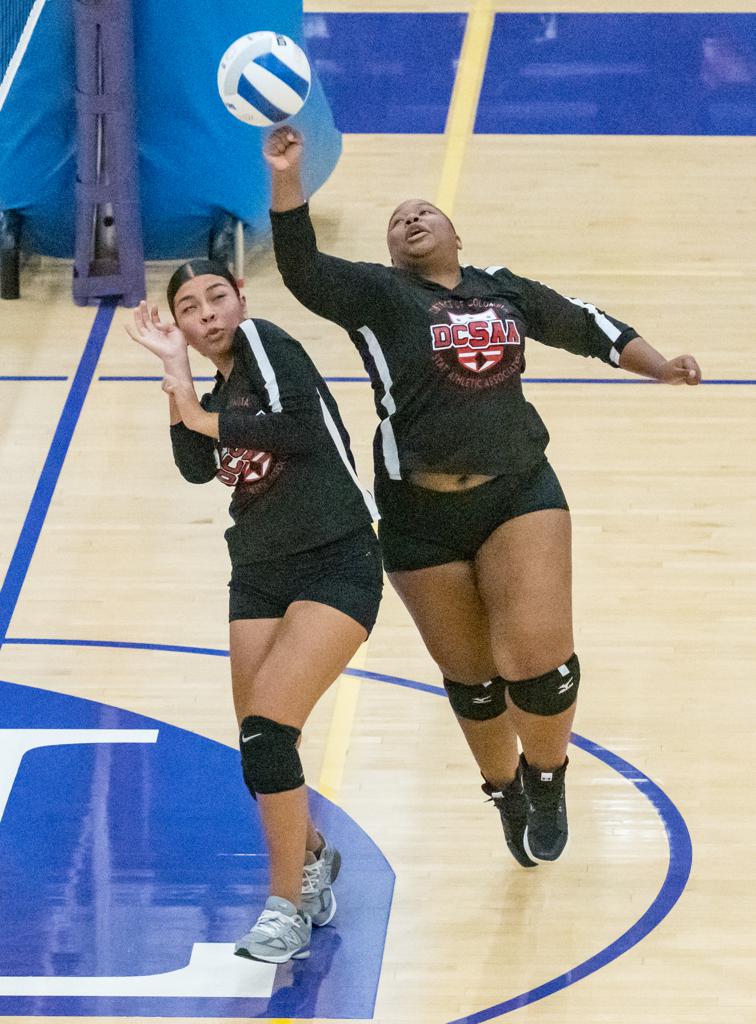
[420,528]
[346,574]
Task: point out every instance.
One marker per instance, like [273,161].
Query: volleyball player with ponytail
[306,571]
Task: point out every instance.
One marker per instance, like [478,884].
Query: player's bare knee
[548,694]
[527,653]
[465,666]
[269,755]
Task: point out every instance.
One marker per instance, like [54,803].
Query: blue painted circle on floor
[119,857]
[319,978]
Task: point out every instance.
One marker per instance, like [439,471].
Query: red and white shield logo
[480,361]
[256,467]
[243,466]
[478,339]
[480,355]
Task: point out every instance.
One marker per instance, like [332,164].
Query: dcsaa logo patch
[476,347]
[479,338]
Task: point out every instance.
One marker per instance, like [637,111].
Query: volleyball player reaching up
[475,528]
[306,571]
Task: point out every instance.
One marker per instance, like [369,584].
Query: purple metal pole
[109,255]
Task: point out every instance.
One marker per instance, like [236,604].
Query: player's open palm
[283,148]
[164,340]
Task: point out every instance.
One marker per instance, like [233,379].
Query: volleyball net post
[109,252]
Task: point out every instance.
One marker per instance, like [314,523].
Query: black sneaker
[546,832]
[512,806]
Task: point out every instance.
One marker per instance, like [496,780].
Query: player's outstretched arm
[641,358]
[283,150]
[334,288]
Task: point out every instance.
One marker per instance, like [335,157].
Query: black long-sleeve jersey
[445,364]
[282,447]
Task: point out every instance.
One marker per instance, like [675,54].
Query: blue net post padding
[109,256]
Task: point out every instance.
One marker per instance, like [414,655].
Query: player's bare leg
[310,648]
[251,641]
[446,606]
[447,609]
[524,573]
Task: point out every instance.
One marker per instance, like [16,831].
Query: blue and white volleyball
[263,78]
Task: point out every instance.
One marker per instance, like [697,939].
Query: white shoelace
[311,879]
[272,923]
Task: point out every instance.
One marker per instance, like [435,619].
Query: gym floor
[115,592]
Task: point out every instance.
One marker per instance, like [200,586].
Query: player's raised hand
[681,370]
[164,340]
[283,148]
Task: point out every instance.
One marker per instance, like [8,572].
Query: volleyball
[263,78]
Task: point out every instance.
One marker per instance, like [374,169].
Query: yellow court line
[340,730]
[459,124]
[337,741]
[464,101]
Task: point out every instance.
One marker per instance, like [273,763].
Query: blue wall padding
[196,160]
[620,74]
[38,136]
[387,72]
[195,157]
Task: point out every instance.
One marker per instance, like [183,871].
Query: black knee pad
[479,702]
[270,759]
[549,694]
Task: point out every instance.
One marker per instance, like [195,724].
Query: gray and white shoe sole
[335,867]
[331,913]
[272,958]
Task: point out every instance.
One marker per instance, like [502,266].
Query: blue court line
[29,377]
[365,380]
[35,517]
[525,380]
[128,645]
[152,378]
[678,836]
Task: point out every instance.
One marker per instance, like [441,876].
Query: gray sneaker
[280,933]
[319,875]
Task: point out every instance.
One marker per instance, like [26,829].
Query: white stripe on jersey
[269,377]
[604,323]
[390,451]
[338,440]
